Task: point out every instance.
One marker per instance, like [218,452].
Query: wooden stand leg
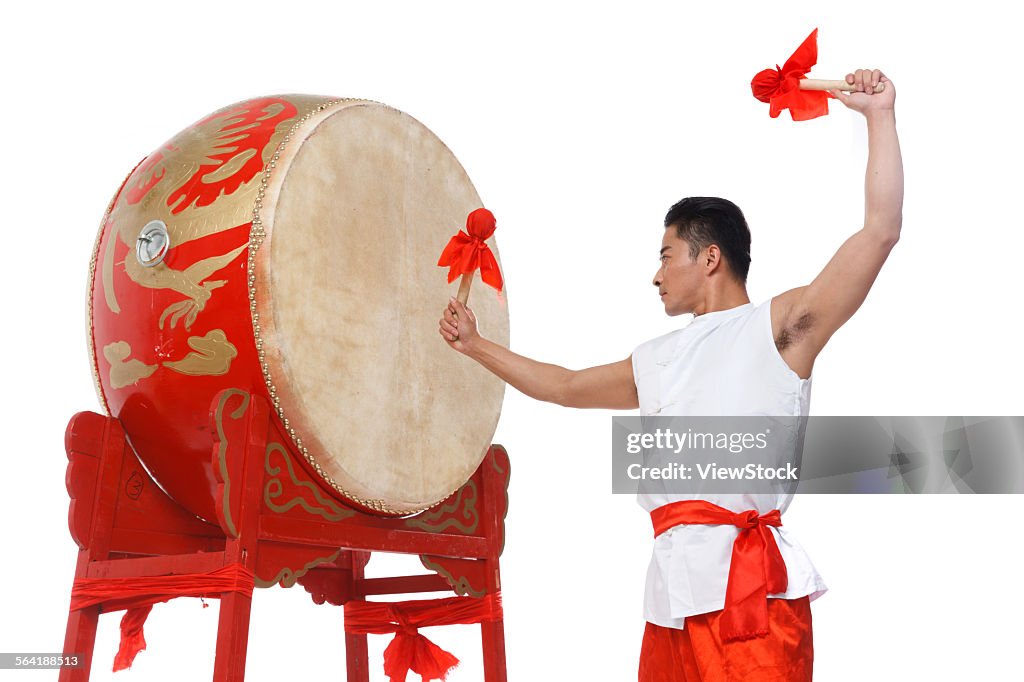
[232,638]
[492,635]
[95,448]
[239,518]
[80,637]
[357,664]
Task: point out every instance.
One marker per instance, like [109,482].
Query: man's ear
[712,256]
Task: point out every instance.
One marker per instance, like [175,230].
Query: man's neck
[721,300]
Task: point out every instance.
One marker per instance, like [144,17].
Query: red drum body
[287,246]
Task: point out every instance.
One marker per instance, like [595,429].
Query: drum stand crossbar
[276,521]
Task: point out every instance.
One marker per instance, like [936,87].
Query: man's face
[679,279]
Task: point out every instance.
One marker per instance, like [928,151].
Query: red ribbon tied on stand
[138,594]
[780,88]
[468,250]
[410,650]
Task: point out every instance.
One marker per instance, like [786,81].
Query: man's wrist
[471,346]
[880,115]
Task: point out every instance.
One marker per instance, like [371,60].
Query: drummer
[705,256]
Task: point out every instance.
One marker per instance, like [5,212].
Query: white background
[580,125]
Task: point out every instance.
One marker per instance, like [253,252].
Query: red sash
[756,570]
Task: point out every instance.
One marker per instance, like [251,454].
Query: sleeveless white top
[723,363]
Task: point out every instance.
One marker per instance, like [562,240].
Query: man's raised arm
[607,386]
[811,314]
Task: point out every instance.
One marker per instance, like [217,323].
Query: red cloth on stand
[697,652]
[138,594]
[410,650]
[756,570]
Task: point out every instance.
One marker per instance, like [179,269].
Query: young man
[734,358]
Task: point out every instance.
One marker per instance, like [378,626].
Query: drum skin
[304,233]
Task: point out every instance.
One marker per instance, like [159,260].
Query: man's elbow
[561,393]
[887,231]
[891,239]
[576,390]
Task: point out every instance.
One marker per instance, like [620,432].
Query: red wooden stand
[276,520]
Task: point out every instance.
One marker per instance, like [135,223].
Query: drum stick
[467,281]
[820,84]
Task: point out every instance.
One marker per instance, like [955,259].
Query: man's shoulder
[655,347]
[658,340]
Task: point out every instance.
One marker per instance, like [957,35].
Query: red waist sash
[756,569]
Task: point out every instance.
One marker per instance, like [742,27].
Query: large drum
[287,246]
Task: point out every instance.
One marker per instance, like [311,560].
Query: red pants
[697,653]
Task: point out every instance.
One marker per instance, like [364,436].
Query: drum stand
[275,520]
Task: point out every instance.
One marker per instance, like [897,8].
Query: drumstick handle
[463,295]
[819,84]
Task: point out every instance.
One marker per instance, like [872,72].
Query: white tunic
[723,363]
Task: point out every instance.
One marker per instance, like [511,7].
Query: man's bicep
[609,387]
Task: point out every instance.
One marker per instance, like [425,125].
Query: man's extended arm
[811,314]
[606,386]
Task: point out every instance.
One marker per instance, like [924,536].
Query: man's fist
[458,326]
[864,99]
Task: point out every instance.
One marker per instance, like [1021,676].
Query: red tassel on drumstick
[789,88]
[468,251]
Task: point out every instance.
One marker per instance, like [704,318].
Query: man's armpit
[794,331]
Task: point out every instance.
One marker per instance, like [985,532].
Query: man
[734,358]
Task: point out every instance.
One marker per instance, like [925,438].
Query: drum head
[359,205]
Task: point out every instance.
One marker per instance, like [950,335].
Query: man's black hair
[710,220]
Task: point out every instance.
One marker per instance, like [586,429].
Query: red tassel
[132,638]
[413,651]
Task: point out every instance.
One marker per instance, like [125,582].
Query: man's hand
[864,99]
[458,326]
